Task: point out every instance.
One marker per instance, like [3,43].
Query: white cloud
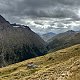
[56,25]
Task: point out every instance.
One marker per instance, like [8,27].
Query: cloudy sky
[43,15]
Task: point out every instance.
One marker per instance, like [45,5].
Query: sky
[43,16]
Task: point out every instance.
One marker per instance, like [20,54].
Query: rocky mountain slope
[64,40]
[60,65]
[18,43]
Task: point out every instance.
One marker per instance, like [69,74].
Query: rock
[32,66]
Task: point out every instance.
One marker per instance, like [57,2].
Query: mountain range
[24,55]
[18,43]
[47,36]
[64,40]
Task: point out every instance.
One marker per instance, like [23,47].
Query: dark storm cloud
[17,10]
[39,8]
[47,3]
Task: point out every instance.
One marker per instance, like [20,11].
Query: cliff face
[18,43]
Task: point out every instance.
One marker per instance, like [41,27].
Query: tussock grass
[60,65]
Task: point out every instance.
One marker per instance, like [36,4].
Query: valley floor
[60,65]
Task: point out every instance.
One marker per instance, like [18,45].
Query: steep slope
[60,65]
[64,40]
[18,43]
[47,36]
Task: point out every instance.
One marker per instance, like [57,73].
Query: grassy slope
[60,65]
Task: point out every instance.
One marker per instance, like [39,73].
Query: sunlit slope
[60,65]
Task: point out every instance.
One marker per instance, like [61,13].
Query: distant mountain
[78,31]
[64,40]
[47,36]
[18,43]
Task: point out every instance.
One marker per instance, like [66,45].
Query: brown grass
[60,65]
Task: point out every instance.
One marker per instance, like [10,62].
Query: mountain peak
[2,20]
[18,44]
[71,31]
[3,23]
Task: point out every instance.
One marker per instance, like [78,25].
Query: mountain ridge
[64,40]
[18,44]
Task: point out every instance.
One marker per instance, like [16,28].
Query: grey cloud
[57,13]
[38,23]
[15,10]
[39,8]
